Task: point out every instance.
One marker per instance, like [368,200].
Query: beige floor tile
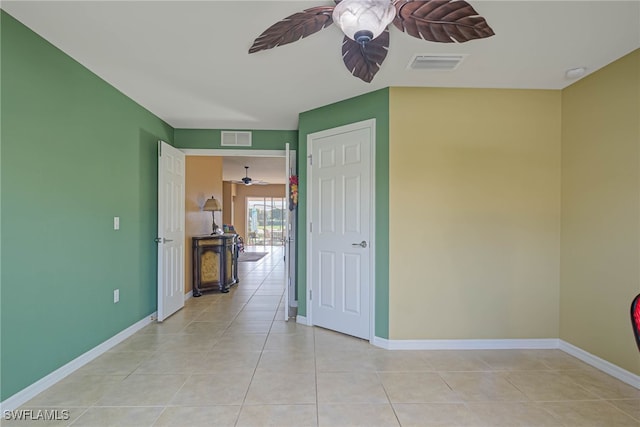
[143,342]
[400,361]
[435,414]
[77,390]
[548,386]
[143,390]
[511,360]
[277,415]
[417,387]
[199,416]
[290,327]
[365,415]
[117,417]
[211,329]
[602,385]
[171,362]
[587,414]
[482,386]
[115,363]
[261,306]
[222,317]
[345,361]
[350,387]
[512,414]
[212,389]
[281,388]
[238,342]
[231,359]
[286,361]
[165,327]
[256,315]
[289,342]
[558,359]
[236,361]
[629,406]
[188,343]
[456,360]
[326,340]
[255,327]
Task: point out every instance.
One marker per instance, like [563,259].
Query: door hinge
[310,157]
[310,295]
[310,227]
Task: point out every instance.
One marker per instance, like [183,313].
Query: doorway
[288,218]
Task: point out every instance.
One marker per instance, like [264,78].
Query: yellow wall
[203,179]
[474,213]
[228,201]
[601,211]
[240,206]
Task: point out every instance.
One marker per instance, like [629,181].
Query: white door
[340,230]
[287,260]
[289,238]
[171,176]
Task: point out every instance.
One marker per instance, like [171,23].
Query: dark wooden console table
[215,262]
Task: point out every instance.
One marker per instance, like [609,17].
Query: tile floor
[231,360]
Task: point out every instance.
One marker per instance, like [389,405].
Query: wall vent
[435,62]
[235,139]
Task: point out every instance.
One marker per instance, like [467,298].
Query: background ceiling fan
[365,25]
[249,181]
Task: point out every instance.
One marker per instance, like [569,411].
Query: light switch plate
[116,295]
[116,223]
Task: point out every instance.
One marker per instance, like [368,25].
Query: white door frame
[221,152]
[365,124]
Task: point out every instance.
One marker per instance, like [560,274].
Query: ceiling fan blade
[444,21]
[364,61]
[293,28]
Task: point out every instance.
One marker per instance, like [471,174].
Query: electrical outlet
[116,295]
[116,223]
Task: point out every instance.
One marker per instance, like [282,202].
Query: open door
[289,238]
[171,181]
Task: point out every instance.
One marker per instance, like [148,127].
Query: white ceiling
[187,61]
[267,169]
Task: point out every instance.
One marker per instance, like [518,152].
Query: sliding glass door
[265,221]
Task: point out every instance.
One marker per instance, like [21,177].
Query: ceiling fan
[365,25]
[249,181]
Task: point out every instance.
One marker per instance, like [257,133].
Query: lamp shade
[363,20]
[212,204]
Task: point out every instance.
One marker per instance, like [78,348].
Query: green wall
[75,153]
[261,139]
[368,106]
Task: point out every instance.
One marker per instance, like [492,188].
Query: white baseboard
[302,320]
[607,367]
[505,344]
[498,344]
[188,295]
[39,386]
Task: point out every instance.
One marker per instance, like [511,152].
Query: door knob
[162,240]
[363,244]
[166,240]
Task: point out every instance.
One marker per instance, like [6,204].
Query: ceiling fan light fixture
[363,20]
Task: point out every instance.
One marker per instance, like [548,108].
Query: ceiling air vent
[435,62]
[235,139]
